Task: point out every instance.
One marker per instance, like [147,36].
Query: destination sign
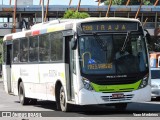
[109,26]
[100,66]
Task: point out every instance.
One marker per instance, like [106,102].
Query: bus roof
[57,25]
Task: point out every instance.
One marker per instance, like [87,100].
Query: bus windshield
[103,54]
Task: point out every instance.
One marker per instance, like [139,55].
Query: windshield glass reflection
[102,54]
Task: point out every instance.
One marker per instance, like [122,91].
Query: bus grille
[125,98]
[115,81]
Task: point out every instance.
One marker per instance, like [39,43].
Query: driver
[120,54]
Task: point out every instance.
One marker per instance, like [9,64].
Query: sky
[56,2]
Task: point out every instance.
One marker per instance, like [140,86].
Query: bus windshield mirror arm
[125,42]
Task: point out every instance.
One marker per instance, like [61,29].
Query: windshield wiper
[125,42]
[100,42]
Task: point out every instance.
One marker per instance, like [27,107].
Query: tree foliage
[123,2]
[114,2]
[70,14]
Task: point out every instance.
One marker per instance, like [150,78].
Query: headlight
[87,84]
[144,82]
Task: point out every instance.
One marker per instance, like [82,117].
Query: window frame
[47,35]
[29,39]
[63,48]
[20,40]
[15,62]
[62,37]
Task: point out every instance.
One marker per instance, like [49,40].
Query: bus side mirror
[73,43]
[148,36]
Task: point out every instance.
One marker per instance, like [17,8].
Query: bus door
[70,69]
[7,66]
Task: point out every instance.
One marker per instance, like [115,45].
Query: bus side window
[33,49]
[56,46]
[16,51]
[44,47]
[24,50]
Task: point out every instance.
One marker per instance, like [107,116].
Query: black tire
[121,106]
[64,106]
[23,100]
[158,98]
[155,99]
[32,101]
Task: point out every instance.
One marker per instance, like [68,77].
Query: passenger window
[24,50]
[15,51]
[33,49]
[44,47]
[56,46]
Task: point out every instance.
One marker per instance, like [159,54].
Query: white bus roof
[57,25]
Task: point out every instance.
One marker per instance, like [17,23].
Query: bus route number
[87,28]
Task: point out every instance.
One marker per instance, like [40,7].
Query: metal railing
[149,25]
[158,24]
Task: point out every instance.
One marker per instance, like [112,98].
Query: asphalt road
[10,103]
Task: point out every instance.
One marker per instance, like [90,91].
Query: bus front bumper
[86,97]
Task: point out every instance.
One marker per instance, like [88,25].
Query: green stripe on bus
[116,88]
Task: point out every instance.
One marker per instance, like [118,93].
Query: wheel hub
[62,99]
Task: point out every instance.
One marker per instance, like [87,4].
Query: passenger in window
[16,57]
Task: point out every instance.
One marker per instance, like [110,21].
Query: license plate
[118,95]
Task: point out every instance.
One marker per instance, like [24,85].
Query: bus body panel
[39,80]
[7,78]
[49,74]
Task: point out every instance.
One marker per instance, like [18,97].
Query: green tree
[123,2]
[70,14]
[114,2]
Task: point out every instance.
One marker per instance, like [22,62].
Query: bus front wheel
[62,100]
[23,100]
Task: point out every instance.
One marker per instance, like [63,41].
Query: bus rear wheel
[23,100]
[64,106]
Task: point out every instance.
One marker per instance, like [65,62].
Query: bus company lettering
[53,73]
[23,72]
[116,76]
[100,66]
[104,27]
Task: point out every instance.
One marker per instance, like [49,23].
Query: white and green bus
[92,61]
